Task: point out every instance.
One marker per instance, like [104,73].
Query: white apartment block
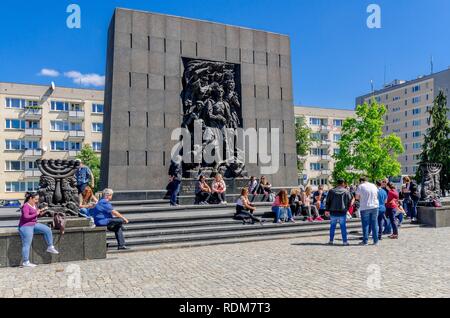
[408,103]
[46,122]
[326,125]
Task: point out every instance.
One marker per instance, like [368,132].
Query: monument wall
[144,77]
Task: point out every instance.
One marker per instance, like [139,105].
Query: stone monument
[58,187]
[431,186]
[167,73]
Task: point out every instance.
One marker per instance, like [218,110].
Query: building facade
[326,124]
[43,122]
[408,103]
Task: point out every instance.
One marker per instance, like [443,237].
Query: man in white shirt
[367,194]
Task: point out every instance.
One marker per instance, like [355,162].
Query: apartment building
[408,103]
[49,122]
[326,124]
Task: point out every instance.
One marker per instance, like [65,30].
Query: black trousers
[219,197]
[243,214]
[116,226]
[202,197]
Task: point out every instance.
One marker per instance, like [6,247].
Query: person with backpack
[411,198]
[28,226]
[281,208]
[337,204]
[245,210]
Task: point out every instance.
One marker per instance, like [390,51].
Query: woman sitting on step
[202,191]
[219,189]
[281,208]
[245,210]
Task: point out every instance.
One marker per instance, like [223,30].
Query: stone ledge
[77,244]
[434,217]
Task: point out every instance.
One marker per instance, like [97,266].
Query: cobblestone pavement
[418,265]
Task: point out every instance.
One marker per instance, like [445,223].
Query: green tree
[92,160]
[363,148]
[436,146]
[303,139]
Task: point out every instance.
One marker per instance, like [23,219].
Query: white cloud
[49,72]
[86,79]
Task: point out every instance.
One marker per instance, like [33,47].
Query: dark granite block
[14,250]
[95,244]
[3,252]
[71,247]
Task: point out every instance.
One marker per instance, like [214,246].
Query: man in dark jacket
[338,203]
[176,174]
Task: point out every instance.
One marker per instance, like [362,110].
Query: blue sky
[335,54]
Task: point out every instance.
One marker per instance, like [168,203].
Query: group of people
[100,212]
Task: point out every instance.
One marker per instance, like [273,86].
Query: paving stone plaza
[415,266]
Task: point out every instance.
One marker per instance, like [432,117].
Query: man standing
[367,194]
[176,174]
[84,177]
[338,203]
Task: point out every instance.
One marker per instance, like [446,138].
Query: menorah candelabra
[431,186]
[58,186]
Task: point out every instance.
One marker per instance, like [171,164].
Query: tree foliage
[363,148]
[92,160]
[436,146]
[303,139]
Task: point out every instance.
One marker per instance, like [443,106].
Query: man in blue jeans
[367,194]
[176,174]
[337,204]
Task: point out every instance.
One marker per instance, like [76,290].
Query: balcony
[32,113]
[33,132]
[325,158]
[326,128]
[32,173]
[32,153]
[325,143]
[76,134]
[76,114]
[74,153]
[326,172]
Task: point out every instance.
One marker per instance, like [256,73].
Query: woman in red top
[391,208]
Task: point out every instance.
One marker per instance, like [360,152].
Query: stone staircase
[154,226]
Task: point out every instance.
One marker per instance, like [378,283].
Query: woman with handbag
[28,226]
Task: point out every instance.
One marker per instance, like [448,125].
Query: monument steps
[254,233]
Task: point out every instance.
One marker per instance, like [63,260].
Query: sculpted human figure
[233,100]
[218,109]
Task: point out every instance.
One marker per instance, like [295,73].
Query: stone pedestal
[77,244]
[434,217]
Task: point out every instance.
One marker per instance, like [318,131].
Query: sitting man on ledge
[105,215]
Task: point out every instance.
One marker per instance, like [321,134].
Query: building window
[416,100]
[97,108]
[315,121]
[59,125]
[417,145]
[76,127]
[338,122]
[15,103]
[416,89]
[16,124]
[97,127]
[75,146]
[97,146]
[15,187]
[59,146]
[315,167]
[15,166]
[14,145]
[337,137]
[416,111]
[417,122]
[57,106]
[336,151]
[417,134]
[396,120]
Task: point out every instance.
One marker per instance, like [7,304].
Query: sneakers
[52,250]
[319,219]
[346,244]
[224,202]
[28,265]
[364,244]
[123,248]
[330,243]
[393,237]
[310,220]
[292,220]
